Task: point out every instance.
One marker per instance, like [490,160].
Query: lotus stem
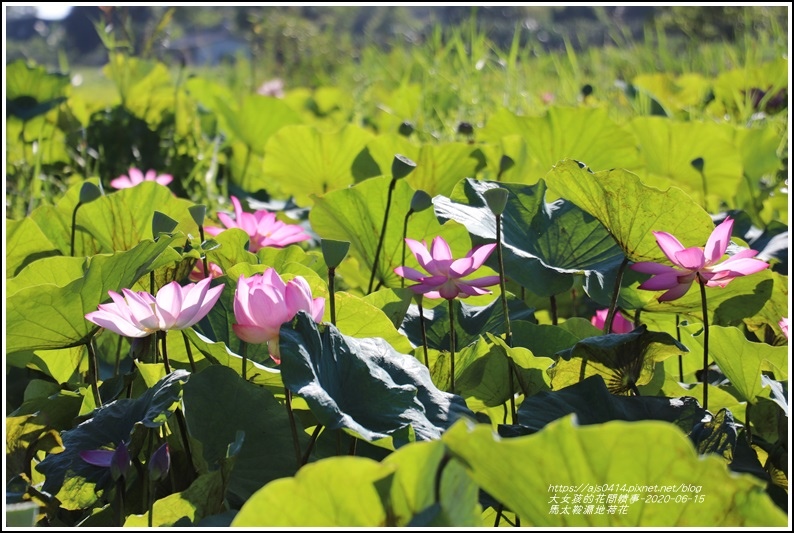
[382,235]
[702,284]
[74,223]
[405,234]
[452,346]
[164,345]
[423,329]
[293,427]
[613,305]
[189,351]
[680,356]
[331,293]
[244,353]
[93,372]
[553,309]
[203,254]
[508,332]
[312,441]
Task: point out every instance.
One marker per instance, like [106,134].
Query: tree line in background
[341,31]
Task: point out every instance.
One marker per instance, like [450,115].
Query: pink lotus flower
[697,263]
[139,314]
[619,322]
[261,226]
[446,274]
[198,274]
[263,302]
[784,326]
[136,176]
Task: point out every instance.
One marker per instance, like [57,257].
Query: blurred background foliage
[307,44]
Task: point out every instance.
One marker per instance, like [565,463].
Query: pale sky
[52,11]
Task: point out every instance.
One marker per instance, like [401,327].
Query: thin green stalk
[705,342]
[613,305]
[152,486]
[74,223]
[331,294]
[439,474]
[93,372]
[117,364]
[553,309]
[244,354]
[382,235]
[680,356]
[452,345]
[121,486]
[189,351]
[203,255]
[182,423]
[293,427]
[312,441]
[405,234]
[164,345]
[423,329]
[508,332]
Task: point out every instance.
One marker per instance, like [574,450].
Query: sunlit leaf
[573,460]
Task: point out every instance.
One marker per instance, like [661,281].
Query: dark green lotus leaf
[470,322]
[218,403]
[364,385]
[721,434]
[519,472]
[536,236]
[58,409]
[584,134]
[52,316]
[302,160]
[110,425]
[624,360]
[310,500]
[439,166]
[25,243]
[592,403]
[356,215]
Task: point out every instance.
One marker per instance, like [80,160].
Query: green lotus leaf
[306,501]
[256,120]
[563,459]
[592,403]
[438,166]
[218,403]
[669,147]
[536,236]
[25,243]
[363,385]
[470,322]
[304,161]
[632,211]
[356,215]
[624,360]
[52,316]
[32,91]
[420,466]
[587,135]
[743,361]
